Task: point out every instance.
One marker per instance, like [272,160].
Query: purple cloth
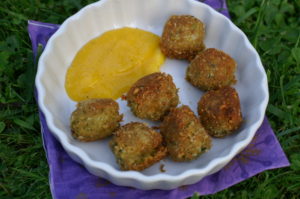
[69,179]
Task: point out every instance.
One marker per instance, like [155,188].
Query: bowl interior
[150,16]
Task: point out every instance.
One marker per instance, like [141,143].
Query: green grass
[271,25]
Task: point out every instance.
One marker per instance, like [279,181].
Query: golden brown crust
[95,119]
[137,146]
[211,69]
[152,96]
[182,37]
[184,135]
[220,111]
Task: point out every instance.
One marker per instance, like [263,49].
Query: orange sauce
[107,66]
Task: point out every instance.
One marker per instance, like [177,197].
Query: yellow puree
[107,66]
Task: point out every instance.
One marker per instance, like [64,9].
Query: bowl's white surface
[105,15]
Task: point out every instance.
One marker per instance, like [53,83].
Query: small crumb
[123,97]
[156,127]
[80,137]
[159,77]
[161,168]
[136,91]
[223,106]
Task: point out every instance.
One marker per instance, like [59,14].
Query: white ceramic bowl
[99,17]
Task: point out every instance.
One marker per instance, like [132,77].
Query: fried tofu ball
[184,135]
[137,146]
[95,119]
[182,37]
[220,111]
[152,96]
[211,69]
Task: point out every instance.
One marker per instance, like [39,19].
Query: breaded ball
[182,37]
[184,135]
[220,111]
[211,69]
[137,146]
[152,96]
[95,119]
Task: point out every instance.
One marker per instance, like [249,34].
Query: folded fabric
[68,179]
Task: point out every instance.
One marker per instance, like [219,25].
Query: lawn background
[273,27]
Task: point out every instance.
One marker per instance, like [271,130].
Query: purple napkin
[69,179]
